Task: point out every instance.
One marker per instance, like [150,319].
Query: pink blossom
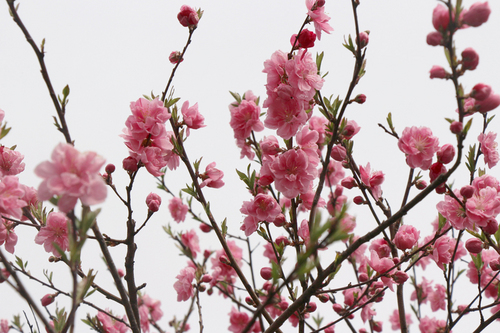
[178,210]
[264,207]
[419,145]
[431,325]
[483,206]
[424,289]
[444,248]
[477,14]
[438,72]
[293,172]
[488,104]
[446,153]
[406,237]
[11,162]
[307,200]
[55,231]
[48,299]
[350,129]
[434,38]
[11,194]
[440,18]
[153,201]
[191,116]
[239,321]
[148,117]
[380,246]
[364,38]
[269,252]
[212,177]
[223,272]
[188,17]
[437,298]
[372,180]
[153,307]
[191,241]
[4,323]
[319,18]
[454,212]
[480,92]
[71,175]
[250,225]
[489,148]
[303,74]
[394,320]
[470,59]
[319,123]
[285,114]
[144,318]
[175,57]
[183,285]
[270,145]
[335,173]
[382,266]
[245,117]
[111,325]
[7,235]
[338,153]
[303,232]
[305,40]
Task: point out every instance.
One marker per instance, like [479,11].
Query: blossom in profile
[319,18]
[153,307]
[373,180]
[191,116]
[191,241]
[71,175]
[177,209]
[477,14]
[419,145]
[7,235]
[55,231]
[183,285]
[212,177]
[489,148]
[11,162]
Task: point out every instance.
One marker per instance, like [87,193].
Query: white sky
[112,52]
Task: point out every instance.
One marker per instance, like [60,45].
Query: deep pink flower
[270,145]
[454,213]
[446,153]
[434,38]
[470,59]
[175,57]
[55,231]
[306,39]
[318,16]
[419,145]
[212,177]
[191,241]
[483,206]
[440,18]
[191,116]
[480,92]
[188,17]
[293,173]
[264,207]
[153,201]
[7,235]
[406,237]
[477,14]
[382,266]
[111,325]
[72,175]
[303,74]
[183,285]
[438,72]
[11,194]
[177,209]
[380,246]
[239,321]
[489,148]
[11,162]
[245,117]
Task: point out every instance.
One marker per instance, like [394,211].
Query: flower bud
[224,260]
[434,38]
[210,291]
[490,103]
[363,277]
[446,154]
[438,72]
[130,164]
[474,245]
[377,326]
[495,264]
[305,40]
[206,278]
[175,57]
[348,182]
[467,191]
[282,240]
[266,273]
[205,227]
[338,308]
[477,14]
[480,91]
[358,200]
[440,18]
[456,127]
[153,201]
[338,153]
[364,38]
[207,254]
[202,288]
[491,227]
[110,168]
[470,59]
[188,17]
[279,220]
[311,307]
[323,298]
[121,272]
[400,277]
[421,184]
[48,299]
[283,305]
[249,301]
[360,99]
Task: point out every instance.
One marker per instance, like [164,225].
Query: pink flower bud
[305,40]
[400,277]
[338,191]
[406,237]
[320,3]
[440,18]
[421,184]
[249,301]
[474,245]
[121,272]
[130,164]
[283,305]
[153,201]
[311,307]
[396,260]
[188,17]
[48,299]
[205,227]
[202,288]
[206,278]
[279,220]
[470,59]
[323,298]
[266,273]
[175,57]
[337,308]
[490,103]
[348,182]
[207,254]
[434,38]
[338,153]
[377,326]
[446,153]
[435,170]
[210,291]
[467,191]
[363,277]
[438,72]
[491,227]
[358,200]
[364,39]
[110,168]
[224,260]
[360,99]
[495,264]
[477,14]
[480,91]
[456,127]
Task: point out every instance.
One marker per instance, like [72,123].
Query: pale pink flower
[191,241]
[489,148]
[303,74]
[269,252]
[245,117]
[250,225]
[406,237]
[11,194]
[72,175]
[394,320]
[153,307]
[477,14]
[111,325]
[270,145]
[4,323]
[444,247]
[419,145]
[437,297]
[424,289]
[382,266]
[431,325]
[275,70]
[183,285]
[223,272]
[454,213]
[293,173]
[7,235]
[335,173]
[148,117]
[308,198]
[264,207]
[188,17]
[153,201]
[177,209]
[319,123]
[372,180]
[55,231]
[319,18]
[11,162]
[483,206]
[380,246]
[246,148]
[239,321]
[303,232]
[212,177]
[144,318]
[191,116]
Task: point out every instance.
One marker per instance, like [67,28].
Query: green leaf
[441,221]
[224,228]
[319,59]
[171,102]
[467,127]
[236,96]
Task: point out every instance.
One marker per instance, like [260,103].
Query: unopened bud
[130,164]
[421,184]
[48,299]
[360,99]
[456,127]
[266,273]
[205,227]
[474,245]
[311,307]
[358,200]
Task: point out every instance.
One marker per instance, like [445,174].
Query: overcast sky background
[112,52]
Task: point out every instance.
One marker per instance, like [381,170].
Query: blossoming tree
[305,183]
